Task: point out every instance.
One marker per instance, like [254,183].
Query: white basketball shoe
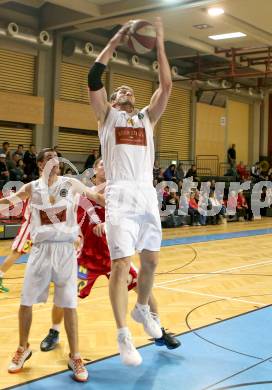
[143,315]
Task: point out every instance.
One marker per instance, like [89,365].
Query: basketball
[141,37]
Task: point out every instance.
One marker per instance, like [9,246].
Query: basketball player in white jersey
[53,230]
[132,214]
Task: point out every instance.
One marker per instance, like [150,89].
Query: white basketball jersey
[53,212]
[127,146]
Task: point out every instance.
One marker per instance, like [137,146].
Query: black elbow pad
[94,76]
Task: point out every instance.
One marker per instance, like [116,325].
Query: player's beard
[124,101]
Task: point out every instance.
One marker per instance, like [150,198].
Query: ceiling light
[215,11]
[227,36]
[202,26]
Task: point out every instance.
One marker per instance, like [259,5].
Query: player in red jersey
[94,261]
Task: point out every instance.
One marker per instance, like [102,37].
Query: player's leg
[5,266]
[118,290]
[119,302]
[141,312]
[121,239]
[65,296]
[52,339]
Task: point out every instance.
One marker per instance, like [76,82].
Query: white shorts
[132,219]
[51,262]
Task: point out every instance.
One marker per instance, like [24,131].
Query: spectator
[242,207]
[212,186]
[242,171]
[31,168]
[202,209]
[218,207]
[232,155]
[264,194]
[180,172]
[5,150]
[91,159]
[17,173]
[172,199]
[156,172]
[12,164]
[20,151]
[193,210]
[4,173]
[192,172]
[269,173]
[170,173]
[180,175]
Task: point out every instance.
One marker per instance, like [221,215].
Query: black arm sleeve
[94,76]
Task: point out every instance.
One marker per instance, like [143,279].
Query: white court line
[189,278]
[212,295]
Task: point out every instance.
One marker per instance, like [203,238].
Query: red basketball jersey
[94,255]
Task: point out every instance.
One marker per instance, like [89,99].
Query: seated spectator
[6,150]
[156,172]
[31,168]
[172,199]
[4,173]
[170,173]
[202,209]
[218,207]
[180,172]
[241,171]
[192,172]
[212,186]
[20,151]
[91,159]
[264,194]
[12,164]
[242,207]
[255,173]
[180,175]
[193,210]
[17,173]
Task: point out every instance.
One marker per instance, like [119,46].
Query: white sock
[2,274]
[76,356]
[56,327]
[123,331]
[142,307]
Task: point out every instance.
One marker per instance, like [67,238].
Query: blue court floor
[234,353]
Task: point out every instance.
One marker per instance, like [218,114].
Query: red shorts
[87,278]
[22,242]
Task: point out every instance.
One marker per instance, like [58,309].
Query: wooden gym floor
[228,266]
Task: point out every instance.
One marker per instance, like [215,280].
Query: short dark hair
[41,154]
[20,145]
[32,145]
[5,143]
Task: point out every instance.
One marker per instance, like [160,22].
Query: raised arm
[160,97]
[80,188]
[97,92]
